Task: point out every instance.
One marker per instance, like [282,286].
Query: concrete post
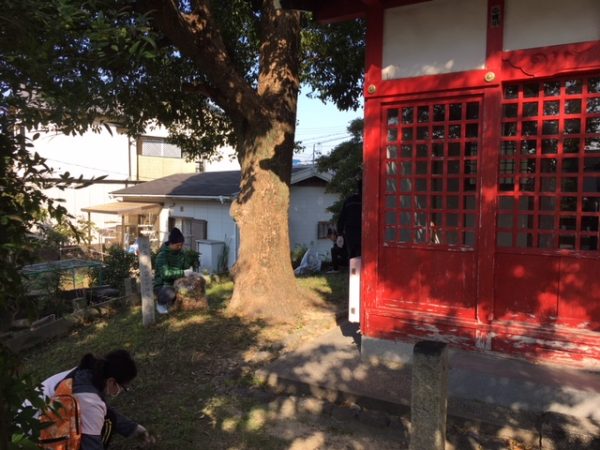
[128,291]
[429,399]
[146,281]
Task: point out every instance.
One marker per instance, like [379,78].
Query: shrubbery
[118,265]
[297,253]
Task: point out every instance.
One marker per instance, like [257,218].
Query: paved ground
[540,405]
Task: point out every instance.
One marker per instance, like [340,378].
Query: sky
[321,126]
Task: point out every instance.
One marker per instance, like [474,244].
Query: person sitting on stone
[170,266]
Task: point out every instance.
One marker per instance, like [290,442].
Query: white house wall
[434,37]
[91,154]
[75,199]
[228,161]
[550,24]
[103,153]
[220,225]
[308,207]
[163,224]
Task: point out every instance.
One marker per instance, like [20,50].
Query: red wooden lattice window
[430,173]
[549,167]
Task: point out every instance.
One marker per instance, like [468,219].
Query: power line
[335,139]
[102,172]
[300,130]
[85,167]
[325,138]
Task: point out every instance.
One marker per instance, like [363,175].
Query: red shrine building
[481,199]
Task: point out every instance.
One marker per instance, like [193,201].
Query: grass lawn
[196,368]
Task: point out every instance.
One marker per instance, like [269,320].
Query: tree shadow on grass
[331,290]
[196,386]
[186,361]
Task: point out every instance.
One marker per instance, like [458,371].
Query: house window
[158,147]
[192,229]
[549,168]
[323,229]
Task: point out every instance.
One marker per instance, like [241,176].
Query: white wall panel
[434,37]
[540,23]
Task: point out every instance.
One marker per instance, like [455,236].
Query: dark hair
[175,236]
[117,364]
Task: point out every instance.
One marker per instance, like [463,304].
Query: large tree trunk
[265,285]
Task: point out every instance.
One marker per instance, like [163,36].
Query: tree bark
[265,284]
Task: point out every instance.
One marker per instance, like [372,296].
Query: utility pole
[314,152]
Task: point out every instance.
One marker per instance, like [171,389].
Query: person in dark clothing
[170,265]
[339,255]
[350,222]
[93,380]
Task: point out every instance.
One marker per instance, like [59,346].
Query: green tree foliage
[345,162]
[77,63]
[333,63]
[212,72]
[23,206]
[19,424]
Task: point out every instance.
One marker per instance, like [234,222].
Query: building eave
[310,172]
[219,198]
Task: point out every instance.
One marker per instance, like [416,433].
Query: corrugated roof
[205,184]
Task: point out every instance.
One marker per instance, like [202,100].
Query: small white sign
[354,291]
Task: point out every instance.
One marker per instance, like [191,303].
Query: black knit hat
[175,236]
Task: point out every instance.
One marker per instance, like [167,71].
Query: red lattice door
[547,236]
[430,206]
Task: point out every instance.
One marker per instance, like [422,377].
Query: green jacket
[169,266]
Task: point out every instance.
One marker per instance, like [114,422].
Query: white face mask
[113,388]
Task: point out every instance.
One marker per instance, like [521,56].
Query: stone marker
[146,281]
[191,293]
[429,396]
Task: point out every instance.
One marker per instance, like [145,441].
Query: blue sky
[321,126]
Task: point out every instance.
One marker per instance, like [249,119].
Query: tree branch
[198,37]
[279,58]
[200,88]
